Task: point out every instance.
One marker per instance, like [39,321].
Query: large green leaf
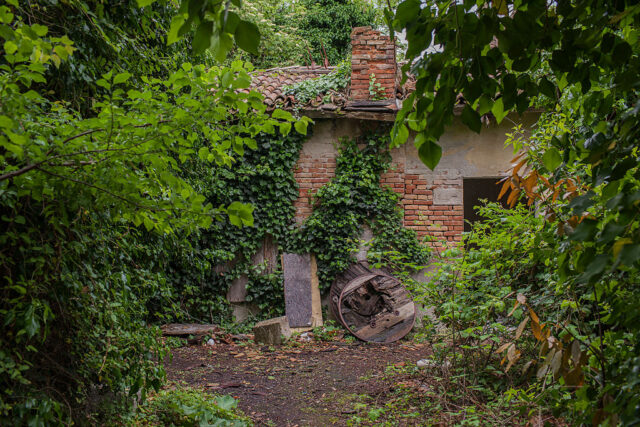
[202,38]
[247,36]
[498,110]
[430,153]
[471,118]
[552,159]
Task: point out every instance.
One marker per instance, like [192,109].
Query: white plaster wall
[466,154]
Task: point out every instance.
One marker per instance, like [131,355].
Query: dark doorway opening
[476,189]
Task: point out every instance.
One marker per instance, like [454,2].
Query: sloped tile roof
[271,83]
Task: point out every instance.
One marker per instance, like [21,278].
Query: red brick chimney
[372,53]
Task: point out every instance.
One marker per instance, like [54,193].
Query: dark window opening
[476,189]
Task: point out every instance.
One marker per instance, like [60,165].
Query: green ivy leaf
[498,110]
[401,136]
[10,47]
[282,114]
[121,78]
[285,128]
[40,30]
[143,3]
[240,214]
[301,127]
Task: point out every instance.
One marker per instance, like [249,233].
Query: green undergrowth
[189,407]
[437,395]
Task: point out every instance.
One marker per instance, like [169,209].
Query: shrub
[188,407]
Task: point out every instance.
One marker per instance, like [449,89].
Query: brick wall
[311,173]
[421,213]
[374,53]
[440,219]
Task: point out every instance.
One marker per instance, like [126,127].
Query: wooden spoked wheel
[372,305]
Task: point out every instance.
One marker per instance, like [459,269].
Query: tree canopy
[579,61]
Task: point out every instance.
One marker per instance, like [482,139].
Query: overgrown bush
[92,208]
[541,297]
[325,85]
[188,407]
[262,177]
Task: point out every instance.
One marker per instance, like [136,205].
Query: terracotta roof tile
[271,84]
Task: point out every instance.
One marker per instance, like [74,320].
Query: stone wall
[432,200]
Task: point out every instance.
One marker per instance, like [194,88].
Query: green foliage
[327,332]
[597,63]
[352,199]
[187,407]
[217,25]
[515,290]
[474,291]
[329,23]
[581,60]
[280,43]
[376,92]
[119,37]
[263,178]
[308,90]
[87,207]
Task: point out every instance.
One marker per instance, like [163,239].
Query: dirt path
[302,384]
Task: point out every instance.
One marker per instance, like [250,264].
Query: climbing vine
[353,199]
[203,269]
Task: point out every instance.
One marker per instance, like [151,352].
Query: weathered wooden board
[301,293]
[383,321]
[180,329]
[316,299]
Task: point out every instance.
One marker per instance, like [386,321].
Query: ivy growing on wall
[353,199]
[202,271]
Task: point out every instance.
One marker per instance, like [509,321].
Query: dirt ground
[299,384]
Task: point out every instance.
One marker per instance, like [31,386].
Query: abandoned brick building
[435,203]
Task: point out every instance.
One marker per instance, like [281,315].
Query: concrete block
[447,196]
[238,290]
[272,331]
